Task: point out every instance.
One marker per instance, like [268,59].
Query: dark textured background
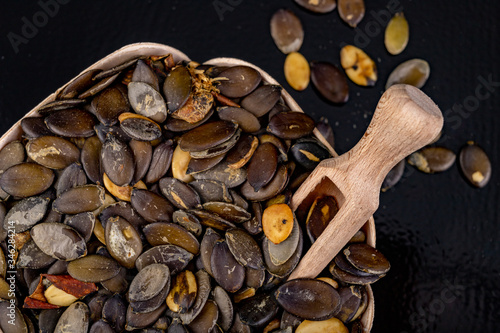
[441,235]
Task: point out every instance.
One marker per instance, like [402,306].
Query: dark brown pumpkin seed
[13,153]
[278,143]
[219,149]
[212,220]
[71,123]
[83,223]
[238,200]
[149,282]
[143,152]
[244,248]
[52,152]
[47,320]
[341,275]
[180,194]
[187,221]
[238,326]
[284,270]
[308,153]
[330,82]
[175,257]
[142,320]
[103,131]
[114,312]
[309,299]
[139,127]
[203,164]
[144,73]
[262,166]
[183,292]
[211,190]
[227,211]
[207,136]
[204,287]
[115,69]
[26,213]
[223,173]
[351,11]
[33,127]
[475,164]
[225,305]
[93,268]
[270,190]
[432,159]
[238,81]
[160,161]
[291,125]
[72,176]
[151,206]
[79,84]
[206,319]
[287,31]
[258,310]
[177,327]
[246,120]
[75,319]
[101,326]
[282,252]
[262,100]
[80,199]
[59,241]
[254,225]
[177,88]
[325,129]
[206,248]
[169,233]
[342,263]
[117,161]
[117,284]
[123,209]
[366,258]
[122,241]
[322,211]
[146,101]
[351,298]
[320,6]
[393,176]
[55,106]
[242,152]
[228,273]
[98,87]
[91,159]
[30,256]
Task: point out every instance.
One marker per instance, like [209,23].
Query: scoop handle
[405,120]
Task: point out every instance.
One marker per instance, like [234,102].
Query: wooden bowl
[147,49]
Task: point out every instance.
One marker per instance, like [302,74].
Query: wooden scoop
[405,120]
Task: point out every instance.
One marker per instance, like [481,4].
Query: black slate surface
[440,234]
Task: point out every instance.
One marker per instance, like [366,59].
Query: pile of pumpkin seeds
[331,82]
[154,196]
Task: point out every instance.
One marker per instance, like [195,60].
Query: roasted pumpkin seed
[177,88]
[183,292]
[258,310]
[79,199]
[151,206]
[52,152]
[117,161]
[432,159]
[393,176]
[144,73]
[93,268]
[322,300]
[207,136]
[287,31]
[275,186]
[330,82]
[397,34]
[366,258]
[238,81]
[262,166]
[203,164]
[223,173]
[72,176]
[13,153]
[246,120]
[169,233]
[83,223]
[414,72]
[319,6]
[59,241]
[26,213]
[277,222]
[91,159]
[261,100]
[139,127]
[322,211]
[228,211]
[122,241]
[351,11]
[175,257]
[359,67]
[333,325]
[188,221]
[160,161]
[308,153]
[475,164]
[242,152]
[228,272]
[244,248]
[282,252]
[180,164]
[114,312]
[291,125]
[146,101]
[74,319]
[79,84]
[180,194]
[297,71]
